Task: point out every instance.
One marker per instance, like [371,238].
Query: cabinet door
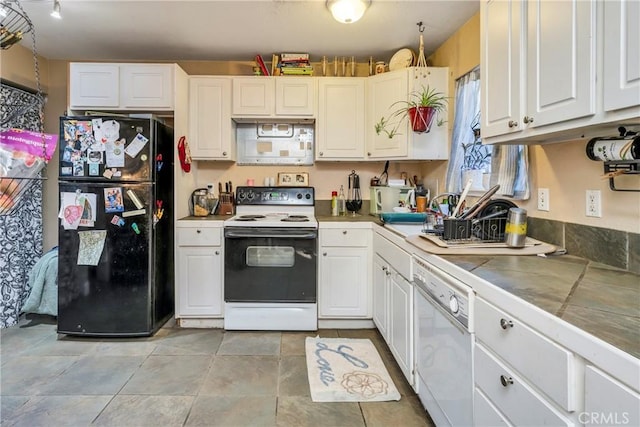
[210,118]
[607,401]
[295,96]
[146,86]
[561,63]
[384,91]
[94,85]
[621,54]
[343,289]
[501,51]
[341,116]
[401,323]
[381,296]
[200,281]
[253,96]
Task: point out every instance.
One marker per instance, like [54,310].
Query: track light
[56,10]
[347,11]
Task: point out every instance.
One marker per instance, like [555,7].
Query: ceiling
[120,30]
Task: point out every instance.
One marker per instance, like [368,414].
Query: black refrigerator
[116,231]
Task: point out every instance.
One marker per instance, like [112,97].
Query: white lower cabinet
[514,398]
[393,302]
[524,377]
[607,401]
[199,269]
[344,267]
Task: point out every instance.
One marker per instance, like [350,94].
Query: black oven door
[270,264]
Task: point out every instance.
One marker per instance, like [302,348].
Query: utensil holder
[456,229]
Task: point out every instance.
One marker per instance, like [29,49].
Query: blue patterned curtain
[21,231]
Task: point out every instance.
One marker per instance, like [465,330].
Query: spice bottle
[342,203]
[334,203]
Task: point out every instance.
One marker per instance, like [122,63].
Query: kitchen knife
[482,201]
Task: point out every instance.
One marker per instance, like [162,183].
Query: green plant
[426,97]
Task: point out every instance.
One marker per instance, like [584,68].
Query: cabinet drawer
[608,401]
[396,257]
[199,236]
[344,237]
[543,362]
[516,400]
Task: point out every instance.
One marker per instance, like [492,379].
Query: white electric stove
[271,260]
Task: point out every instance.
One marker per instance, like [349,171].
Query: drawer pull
[527,119]
[217,252]
[344,232]
[505,381]
[324,254]
[506,324]
[198,231]
[513,124]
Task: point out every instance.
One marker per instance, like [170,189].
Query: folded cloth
[43,280]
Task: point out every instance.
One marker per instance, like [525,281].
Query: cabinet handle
[224,153]
[324,254]
[369,153]
[217,252]
[505,324]
[198,231]
[513,124]
[321,154]
[505,380]
[527,119]
[384,268]
[344,231]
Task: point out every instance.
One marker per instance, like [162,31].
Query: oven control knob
[307,196]
[250,195]
[299,196]
[454,305]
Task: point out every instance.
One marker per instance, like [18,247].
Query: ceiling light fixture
[56,10]
[3,11]
[347,11]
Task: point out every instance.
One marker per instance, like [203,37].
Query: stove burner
[250,217]
[295,218]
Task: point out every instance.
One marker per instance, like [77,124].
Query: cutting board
[435,245]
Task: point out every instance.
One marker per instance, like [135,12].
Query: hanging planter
[421,118]
[420,110]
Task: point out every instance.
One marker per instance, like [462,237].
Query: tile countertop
[599,299]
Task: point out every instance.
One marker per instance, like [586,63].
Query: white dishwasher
[443,345]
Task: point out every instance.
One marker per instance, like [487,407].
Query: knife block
[226,204]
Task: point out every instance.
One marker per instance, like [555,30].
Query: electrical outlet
[543,199]
[594,204]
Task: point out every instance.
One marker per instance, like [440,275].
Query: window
[485,165]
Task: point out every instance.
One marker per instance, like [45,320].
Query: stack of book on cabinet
[295,64]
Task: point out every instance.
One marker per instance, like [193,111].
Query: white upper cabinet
[561,62]
[274,97]
[341,118]
[210,135]
[558,70]
[621,54]
[121,86]
[501,52]
[386,93]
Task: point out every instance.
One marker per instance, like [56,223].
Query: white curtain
[467,106]
[509,163]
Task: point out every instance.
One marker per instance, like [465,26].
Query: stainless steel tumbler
[516,229]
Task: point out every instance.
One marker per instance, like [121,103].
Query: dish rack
[463,231]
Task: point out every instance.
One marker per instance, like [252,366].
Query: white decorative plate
[403,58]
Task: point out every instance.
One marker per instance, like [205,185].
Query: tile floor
[179,377]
